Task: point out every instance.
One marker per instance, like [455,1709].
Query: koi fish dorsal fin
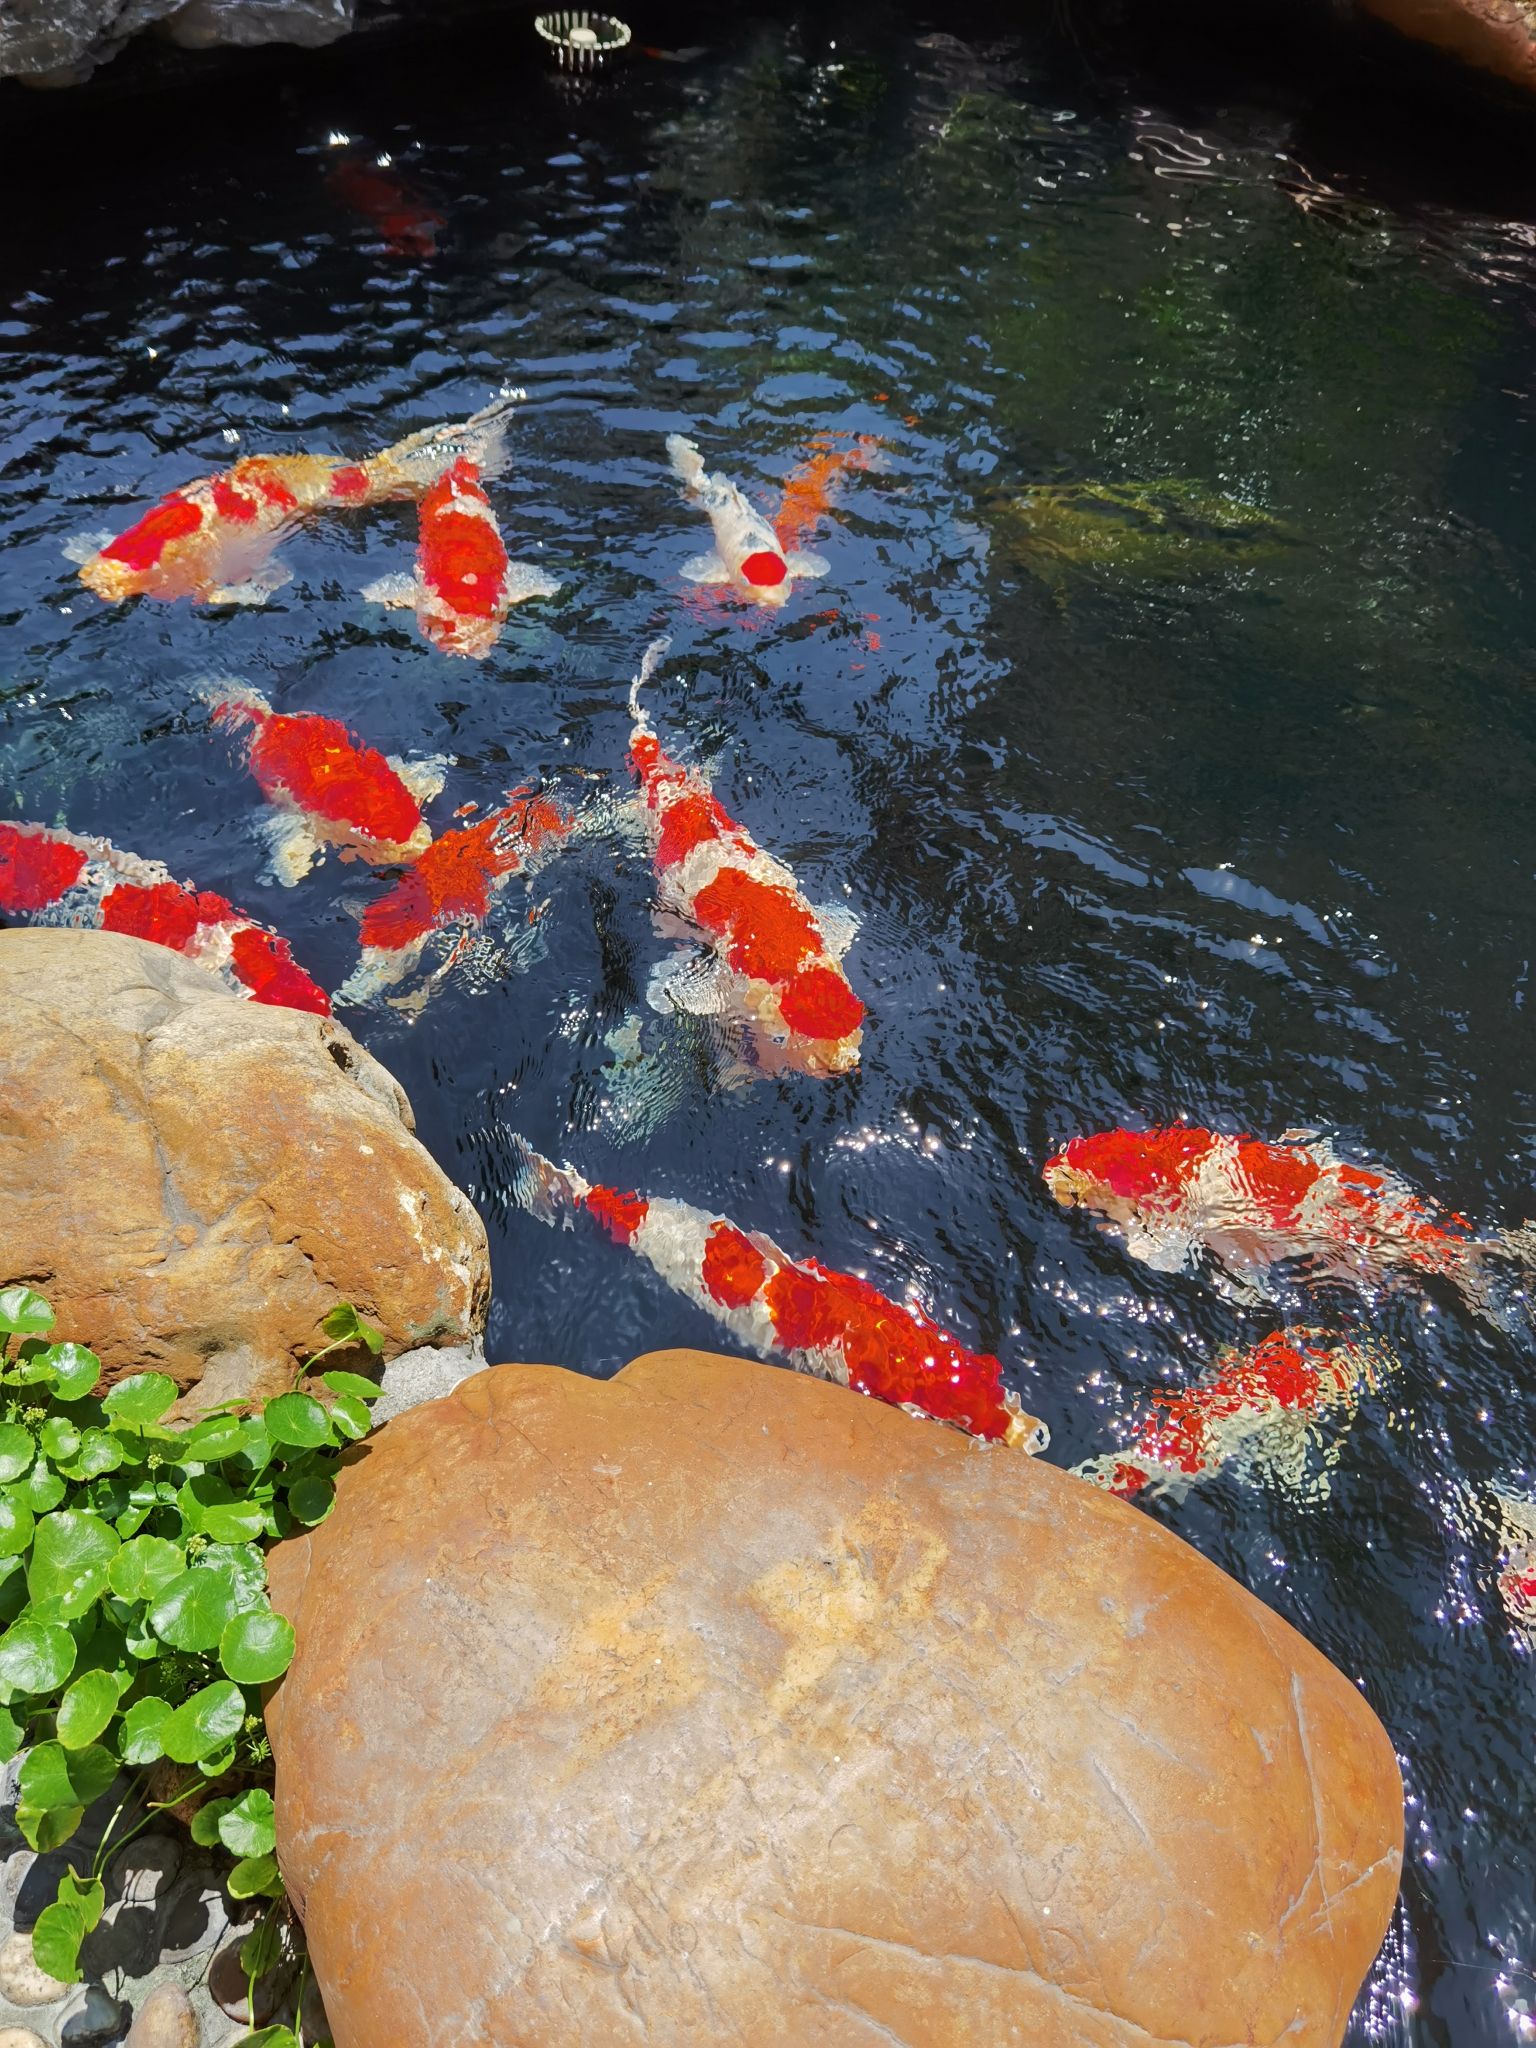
[81,548]
[687,462]
[706,568]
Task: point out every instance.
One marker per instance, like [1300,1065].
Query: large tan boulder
[715,1705]
[193,1180]
[1492,35]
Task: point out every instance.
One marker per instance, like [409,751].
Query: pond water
[1146,808]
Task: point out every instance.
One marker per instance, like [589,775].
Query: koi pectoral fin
[524,581]
[255,589]
[292,847]
[694,983]
[839,927]
[705,569]
[398,591]
[802,564]
[81,548]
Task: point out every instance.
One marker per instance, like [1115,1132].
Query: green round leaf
[35,1657]
[269,2037]
[99,1453]
[254,1877]
[312,1499]
[350,1417]
[257,1647]
[297,1419]
[217,1761]
[17,1450]
[206,1443]
[140,1737]
[41,1489]
[53,1776]
[60,1438]
[71,1553]
[56,1942]
[192,1612]
[249,1567]
[352,1383]
[141,1399]
[144,1567]
[86,1708]
[73,1369]
[203,1723]
[11,1732]
[235,1522]
[249,1828]
[23,1312]
[16,1526]
[343,1322]
[205,1822]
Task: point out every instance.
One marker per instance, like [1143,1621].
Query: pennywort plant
[133,1600]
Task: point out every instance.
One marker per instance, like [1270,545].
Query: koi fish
[67,878]
[212,540]
[1176,1192]
[406,225]
[1262,1408]
[774,963]
[1517,1579]
[464,585]
[818,1321]
[807,500]
[325,787]
[747,553]
[452,884]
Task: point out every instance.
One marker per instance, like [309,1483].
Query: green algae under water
[1167,717]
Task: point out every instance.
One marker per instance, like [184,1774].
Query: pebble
[21,1980]
[196,1919]
[141,1874]
[95,2016]
[20,2037]
[165,2020]
[227,1985]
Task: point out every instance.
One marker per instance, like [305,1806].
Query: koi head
[137,559]
[1120,1174]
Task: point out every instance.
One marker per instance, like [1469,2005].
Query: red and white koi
[326,788]
[68,878]
[402,219]
[212,540]
[829,1324]
[464,585]
[1517,1577]
[452,886]
[1175,1192]
[747,553]
[807,496]
[774,964]
[1262,1409]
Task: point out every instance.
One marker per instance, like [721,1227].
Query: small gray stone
[165,2020]
[21,1980]
[93,2015]
[196,1918]
[426,1374]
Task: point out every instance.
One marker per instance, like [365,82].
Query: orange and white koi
[212,540]
[747,553]
[1262,1409]
[807,496]
[1517,1577]
[451,887]
[325,787]
[405,224]
[1175,1192]
[818,1321]
[68,878]
[464,585]
[774,964]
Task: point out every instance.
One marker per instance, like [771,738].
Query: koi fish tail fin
[416,463]
[650,661]
[1499,1279]
[232,702]
[549,1192]
[687,463]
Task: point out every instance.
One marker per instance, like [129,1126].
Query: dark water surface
[1236,833]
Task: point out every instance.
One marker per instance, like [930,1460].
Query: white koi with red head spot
[1517,1576]
[774,963]
[68,878]
[464,586]
[326,788]
[1264,1411]
[212,540]
[1176,1192]
[747,553]
[451,889]
[832,1325]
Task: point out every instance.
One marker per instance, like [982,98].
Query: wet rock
[20,2037]
[141,1873]
[60,42]
[1491,35]
[714,1704]
[166,2019]
[233,1993]
[92,2014]
[194,1181]
[195,1919]
[22,1982]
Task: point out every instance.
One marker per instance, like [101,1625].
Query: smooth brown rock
[193,1180]
[717,1705]
[166,2019]
[1491,35]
